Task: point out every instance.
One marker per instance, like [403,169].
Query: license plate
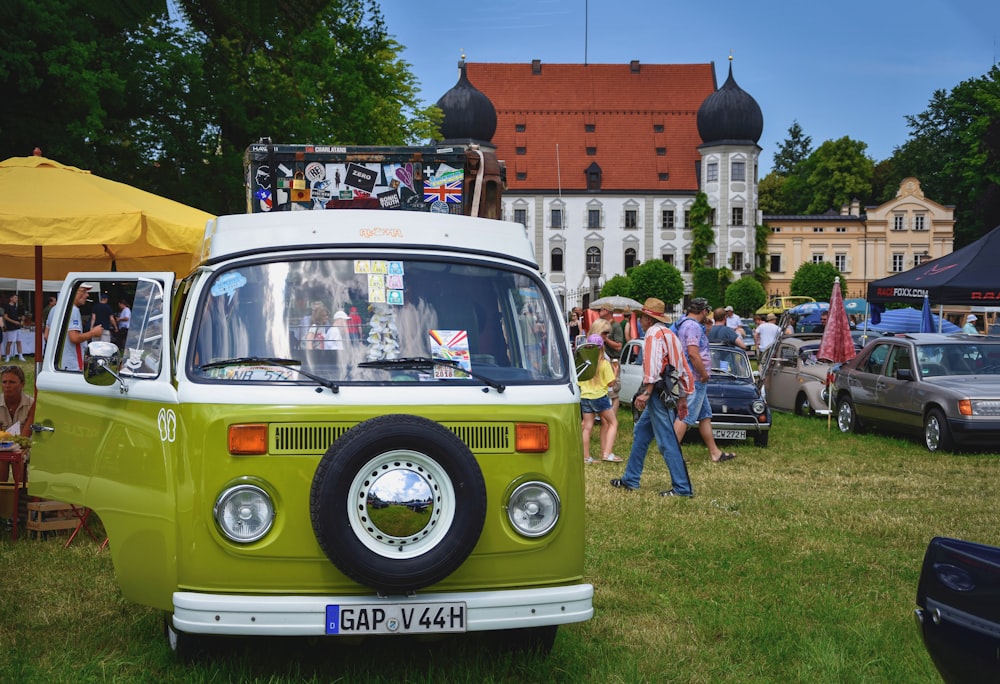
[729,434]
[395,618]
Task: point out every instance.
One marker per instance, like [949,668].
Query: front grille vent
[316,438]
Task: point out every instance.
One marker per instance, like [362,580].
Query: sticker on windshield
[228,284]
[450,345]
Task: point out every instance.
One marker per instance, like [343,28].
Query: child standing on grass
[594,399]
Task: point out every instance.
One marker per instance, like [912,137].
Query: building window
[667,219]
[921,258]
[629,258]
[657,128]
[521,216]
[631,218]
[711,217]
[522,175]
[589,128]
[841,229]
[557,260]
[591,151]
[593,173]
[685,222]
[918,222]
[593,261]
[521,150]
[817,229]
[661,151]
[737,261]
[817,258]
[712,172]
[557,218]
[687,262]
[898,222]
[775,229]
[775,263]
[519,128]
[593,218]
[897,263]
[739,171]
[663,176]
[668,259]
[840,261]
[737,216]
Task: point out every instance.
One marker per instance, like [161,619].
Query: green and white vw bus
[340,423]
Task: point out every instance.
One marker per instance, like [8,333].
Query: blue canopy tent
[909,320]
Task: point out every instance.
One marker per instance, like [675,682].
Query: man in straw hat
[660,348]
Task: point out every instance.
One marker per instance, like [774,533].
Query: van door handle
[38,427]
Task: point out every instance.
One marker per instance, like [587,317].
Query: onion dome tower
[469,116]
[730,123]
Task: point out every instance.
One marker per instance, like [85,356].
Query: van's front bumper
[198,613]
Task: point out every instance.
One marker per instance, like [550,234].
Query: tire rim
[845,417]
[932,434]
[401,504]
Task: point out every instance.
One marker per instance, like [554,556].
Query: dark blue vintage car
[739,411]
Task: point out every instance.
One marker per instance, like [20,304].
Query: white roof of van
[242,233]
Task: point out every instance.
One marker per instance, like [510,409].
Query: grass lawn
[793,563]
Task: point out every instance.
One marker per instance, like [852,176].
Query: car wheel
[187,648]
[760,439]
[937,434]
[398,503]
[847,416]
[802,405]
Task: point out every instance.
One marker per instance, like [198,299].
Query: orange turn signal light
[532,438]
[965,407]
[248,440]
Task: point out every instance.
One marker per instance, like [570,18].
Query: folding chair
[81,514]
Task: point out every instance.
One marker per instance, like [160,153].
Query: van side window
[143,352]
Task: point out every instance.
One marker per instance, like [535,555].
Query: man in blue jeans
[660,347]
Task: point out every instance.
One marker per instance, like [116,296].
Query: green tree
[837,172]
[746,295]
[771,194]
[706,283]
[815,280]
[795,149]
[656,278]
[617,285]
[171,109]
[761,254]
[954,150]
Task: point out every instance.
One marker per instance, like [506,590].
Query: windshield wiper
[723,371]
[426,363]
[275,361]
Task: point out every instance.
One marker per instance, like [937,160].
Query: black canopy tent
[969,276]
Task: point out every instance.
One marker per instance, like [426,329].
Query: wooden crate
[49,516]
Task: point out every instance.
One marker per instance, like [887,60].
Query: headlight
[757,406]
[244,513]
[533,509]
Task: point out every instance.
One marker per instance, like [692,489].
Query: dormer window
[593,173]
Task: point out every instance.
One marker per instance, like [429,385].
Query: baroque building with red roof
[603,162]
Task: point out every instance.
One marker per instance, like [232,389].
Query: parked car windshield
[376,320]
[973,358]
[729,361]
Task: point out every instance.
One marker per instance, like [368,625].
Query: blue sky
[847,68]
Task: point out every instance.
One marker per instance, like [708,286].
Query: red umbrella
[837,344]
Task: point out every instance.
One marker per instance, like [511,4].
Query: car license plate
[395,618]
[729,434]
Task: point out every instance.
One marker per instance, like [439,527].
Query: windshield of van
[377,320]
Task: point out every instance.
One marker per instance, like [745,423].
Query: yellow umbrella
[56,218]
[85,222]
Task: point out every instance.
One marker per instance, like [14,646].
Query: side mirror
[904,374]
[100,364]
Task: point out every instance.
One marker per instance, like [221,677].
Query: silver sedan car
[944,388]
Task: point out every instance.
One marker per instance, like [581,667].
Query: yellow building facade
[889,238]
